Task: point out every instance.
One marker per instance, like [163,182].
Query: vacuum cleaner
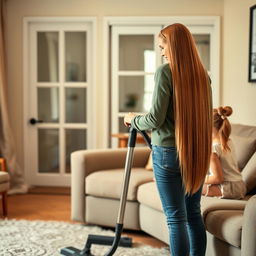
[117,240]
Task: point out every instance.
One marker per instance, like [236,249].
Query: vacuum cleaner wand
[117,240]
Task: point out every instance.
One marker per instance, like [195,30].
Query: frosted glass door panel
[132,50]
[75,105]
[135,93]
[48,104]
[203,46]
[131,90]
[75,140]
[48,150]
[47,56]
[75,56]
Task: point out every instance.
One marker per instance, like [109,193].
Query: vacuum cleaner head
[101,240]
[72,251]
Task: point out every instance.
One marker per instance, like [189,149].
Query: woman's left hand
[128,118]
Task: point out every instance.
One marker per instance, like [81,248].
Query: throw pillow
[149,165]
[244,147]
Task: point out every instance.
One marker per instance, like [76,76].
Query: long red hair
[192,106]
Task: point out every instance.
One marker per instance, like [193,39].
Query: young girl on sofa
[225,179]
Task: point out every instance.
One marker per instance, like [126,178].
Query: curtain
[7,145]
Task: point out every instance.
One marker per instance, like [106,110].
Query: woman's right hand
[128,118]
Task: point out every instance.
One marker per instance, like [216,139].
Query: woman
[181,122]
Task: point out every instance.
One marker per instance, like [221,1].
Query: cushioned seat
[231,225]
[103,190]
[229,220]
[108,183]
[148,195]
[209,204]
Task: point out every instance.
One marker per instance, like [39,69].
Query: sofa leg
[4,203]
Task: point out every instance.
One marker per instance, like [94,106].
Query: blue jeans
[186,229]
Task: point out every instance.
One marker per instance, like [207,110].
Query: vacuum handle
[133,135]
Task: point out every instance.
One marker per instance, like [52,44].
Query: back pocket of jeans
[170,159]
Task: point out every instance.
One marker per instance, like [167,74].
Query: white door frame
[190,21]
[27,22]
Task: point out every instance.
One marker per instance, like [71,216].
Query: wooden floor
[54,204]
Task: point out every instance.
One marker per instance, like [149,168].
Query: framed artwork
[252,45]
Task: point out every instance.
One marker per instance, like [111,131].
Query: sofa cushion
[148,195]
[245,147]
[104,212]
[108,183]
[249,173]
[210,204]
[226,225]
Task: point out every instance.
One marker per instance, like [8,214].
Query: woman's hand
[128,118]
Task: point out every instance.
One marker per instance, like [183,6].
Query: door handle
[34,121]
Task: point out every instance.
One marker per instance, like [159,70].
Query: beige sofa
[97,178]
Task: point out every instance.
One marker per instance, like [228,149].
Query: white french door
[59,99]
[135,56]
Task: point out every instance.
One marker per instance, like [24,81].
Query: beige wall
[235,11]
[236,91]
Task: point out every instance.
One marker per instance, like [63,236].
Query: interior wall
[236,90]
[17,9]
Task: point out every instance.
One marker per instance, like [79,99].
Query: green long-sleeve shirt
[160,118]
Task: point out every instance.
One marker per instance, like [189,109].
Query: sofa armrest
[249,228]
[84,162]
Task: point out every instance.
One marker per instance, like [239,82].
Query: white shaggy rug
[36,238]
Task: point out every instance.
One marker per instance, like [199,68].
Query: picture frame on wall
[252,45]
